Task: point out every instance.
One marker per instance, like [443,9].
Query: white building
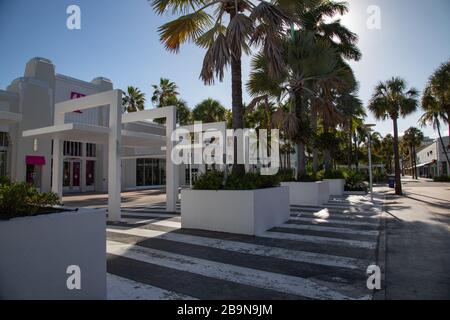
[431,160]
[28,103]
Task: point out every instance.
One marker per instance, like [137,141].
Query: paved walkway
[320,253]
[418,242]
[129,199]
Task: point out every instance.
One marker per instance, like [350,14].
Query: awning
[35,160]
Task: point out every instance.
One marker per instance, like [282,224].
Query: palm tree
[387,149]
[312,67]
[133,100]
[437,93]
[316,16]
[413,138]
[164,93]
[204,22]
[209,110]
[391,100]
[352,110]
[433,115]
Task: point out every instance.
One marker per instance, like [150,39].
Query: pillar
[114,143]
[171,170]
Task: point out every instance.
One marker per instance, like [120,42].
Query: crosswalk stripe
[320,240]
[247,276]
[120,288]
[254,249]
[334,221]
[373,233]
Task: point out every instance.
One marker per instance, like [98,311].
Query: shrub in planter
[213,180]
[331,174]
[286,175]
[18,199]
[355,181]
[442,179]
[309,178]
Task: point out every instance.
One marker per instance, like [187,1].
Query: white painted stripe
[246,276]
[335,221]
[248,248]
[330,229]
[120,288]
[149,214]
[320,240]
[171,224]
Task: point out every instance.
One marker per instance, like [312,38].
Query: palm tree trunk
[398,181]
[411,161]
[301,163]
[350,146]
[237,114]
[315,162]
[326,152]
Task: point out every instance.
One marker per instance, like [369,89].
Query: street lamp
[369,127]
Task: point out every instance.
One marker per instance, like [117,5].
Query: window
[150,172]
[3,163]
[3,139]
[188,175]
[91,151]
[72,149]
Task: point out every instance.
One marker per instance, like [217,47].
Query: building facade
[431,160]
[85,168]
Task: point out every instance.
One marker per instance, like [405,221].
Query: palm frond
[186,28]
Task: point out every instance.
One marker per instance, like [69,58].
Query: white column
[83,168]
[114,143]
[171,170]
[57,167]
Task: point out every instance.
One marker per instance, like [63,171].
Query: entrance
[72,176]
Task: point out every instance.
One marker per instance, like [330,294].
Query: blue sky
[118,39]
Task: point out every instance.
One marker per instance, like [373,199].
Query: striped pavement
[320,253]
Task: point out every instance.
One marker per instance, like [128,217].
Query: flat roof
[81,132]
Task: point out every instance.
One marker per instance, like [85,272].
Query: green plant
[213,180]
[21,199]
[286,175]
[442,179]
[355,181]
[311,177]
[331,174]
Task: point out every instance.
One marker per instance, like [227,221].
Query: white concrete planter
[336,186]
[308,193]
[249,212]
[35,253]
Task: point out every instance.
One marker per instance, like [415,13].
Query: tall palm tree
[312,67]
[209,110]
[413,138]
[317,16]
[205,23]
[164,93]
[392,100]
[133,100]
[352,110]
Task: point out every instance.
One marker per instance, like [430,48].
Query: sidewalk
[418,241]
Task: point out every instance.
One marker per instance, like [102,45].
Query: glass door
[72,176]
